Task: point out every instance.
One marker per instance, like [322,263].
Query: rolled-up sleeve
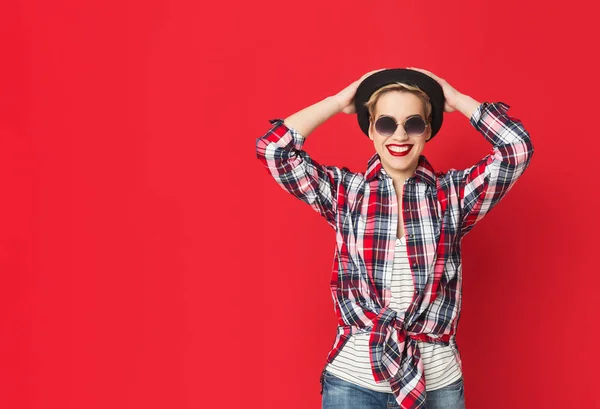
[281,152]
[484,184]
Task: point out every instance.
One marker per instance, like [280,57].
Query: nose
[400,134]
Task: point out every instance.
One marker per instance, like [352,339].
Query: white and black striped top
[441,363]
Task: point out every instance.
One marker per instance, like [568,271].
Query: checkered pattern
[439,209]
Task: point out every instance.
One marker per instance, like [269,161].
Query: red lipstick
[401,153]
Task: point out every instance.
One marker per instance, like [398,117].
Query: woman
[397,276]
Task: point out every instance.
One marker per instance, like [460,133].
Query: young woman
[397,276]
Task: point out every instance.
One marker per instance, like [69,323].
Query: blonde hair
[398,86]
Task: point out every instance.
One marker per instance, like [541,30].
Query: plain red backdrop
[147,259]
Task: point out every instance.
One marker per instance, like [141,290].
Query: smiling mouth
[399,150]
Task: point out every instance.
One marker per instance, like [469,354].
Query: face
[396,161]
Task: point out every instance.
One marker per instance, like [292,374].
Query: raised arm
[281,152]
[484,184]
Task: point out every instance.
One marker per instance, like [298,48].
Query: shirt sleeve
[484,184]
[280,151]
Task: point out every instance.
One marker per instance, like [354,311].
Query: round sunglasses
[387,125]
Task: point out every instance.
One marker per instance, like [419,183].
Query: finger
[432,75]
[424,71]
[372,72]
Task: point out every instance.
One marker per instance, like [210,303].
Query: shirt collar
[424,172]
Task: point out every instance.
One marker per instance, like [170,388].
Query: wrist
[336,103]
[466,105]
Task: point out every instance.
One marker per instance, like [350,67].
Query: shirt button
[414,264]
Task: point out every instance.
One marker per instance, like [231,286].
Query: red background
[147,259]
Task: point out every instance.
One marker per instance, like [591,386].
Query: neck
[400,176]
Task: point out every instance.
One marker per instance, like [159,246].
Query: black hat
[411,77]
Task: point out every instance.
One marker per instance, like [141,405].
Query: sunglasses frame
[398,125]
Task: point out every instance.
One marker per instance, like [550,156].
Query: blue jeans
[339,394]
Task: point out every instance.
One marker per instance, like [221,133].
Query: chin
[403,161]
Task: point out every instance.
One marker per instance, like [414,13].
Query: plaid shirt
[439,209]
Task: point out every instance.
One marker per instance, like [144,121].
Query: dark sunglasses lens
[415,126]
[386,126]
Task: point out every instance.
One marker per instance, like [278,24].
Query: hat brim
[406,76]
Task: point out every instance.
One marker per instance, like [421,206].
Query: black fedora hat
[406,76]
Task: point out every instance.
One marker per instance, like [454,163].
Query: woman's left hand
[450,94]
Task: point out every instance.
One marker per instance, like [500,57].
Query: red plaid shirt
[439,210]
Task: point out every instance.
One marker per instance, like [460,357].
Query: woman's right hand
[345,97]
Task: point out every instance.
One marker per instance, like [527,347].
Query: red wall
[147,259]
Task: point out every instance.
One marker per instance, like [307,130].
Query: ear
[429,131]
[371,130]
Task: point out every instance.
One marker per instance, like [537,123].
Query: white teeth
[398,148]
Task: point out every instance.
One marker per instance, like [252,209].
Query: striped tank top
[441,363]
